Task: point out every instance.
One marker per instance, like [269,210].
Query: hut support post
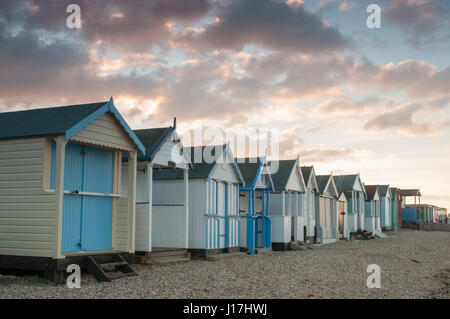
[59,190]
[132,170]
[186,206]
[150,203]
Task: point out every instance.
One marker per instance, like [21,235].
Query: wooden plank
[21,154]
[22,177]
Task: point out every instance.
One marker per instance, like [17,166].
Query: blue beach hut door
[87,204]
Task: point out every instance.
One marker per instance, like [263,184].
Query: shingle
[44,122]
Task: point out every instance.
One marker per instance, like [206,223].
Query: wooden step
[112,266]
[100,270]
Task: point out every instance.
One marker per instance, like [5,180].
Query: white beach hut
[213,199]
[326,210]
[309,202]
[162,209]
[286,203]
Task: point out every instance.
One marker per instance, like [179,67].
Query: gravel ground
[414,264]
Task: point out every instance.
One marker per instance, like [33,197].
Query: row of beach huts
[78,186]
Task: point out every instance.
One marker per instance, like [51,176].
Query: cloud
[346,6]
[326,155]
[417,78]
[418,17]
[347,106]
[118,23]
[402,119]
[268,23]
[292,144]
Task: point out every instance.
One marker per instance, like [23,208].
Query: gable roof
[250,169]
[306,172]
[371,190]
[396,193]
[323,181]
[152,139]
[198,170]
[63,120]
[383,189]
[281,177]
[345,182]
[410,192]
[309,175]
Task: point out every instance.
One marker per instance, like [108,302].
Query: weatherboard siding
[120,225]
[105,132]
[27,211]
[169,152]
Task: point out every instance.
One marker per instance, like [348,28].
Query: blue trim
[108,107]
[227,222]
[257,175]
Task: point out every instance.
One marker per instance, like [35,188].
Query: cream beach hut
[60,196]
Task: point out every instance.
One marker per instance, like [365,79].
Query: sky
[344,97]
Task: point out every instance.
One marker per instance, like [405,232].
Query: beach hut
[409,211]
[254,201]
[386,207]
[372,218]
[214,179]
[309,202]
[344,232]
[60,191]
[353,188]
[285,206]
[162,207]
[395,208]
[326,210]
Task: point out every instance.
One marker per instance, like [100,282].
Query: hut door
[222,206]
[341,217]
[87,205]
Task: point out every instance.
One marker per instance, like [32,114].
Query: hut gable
[107,132]
[287,175]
